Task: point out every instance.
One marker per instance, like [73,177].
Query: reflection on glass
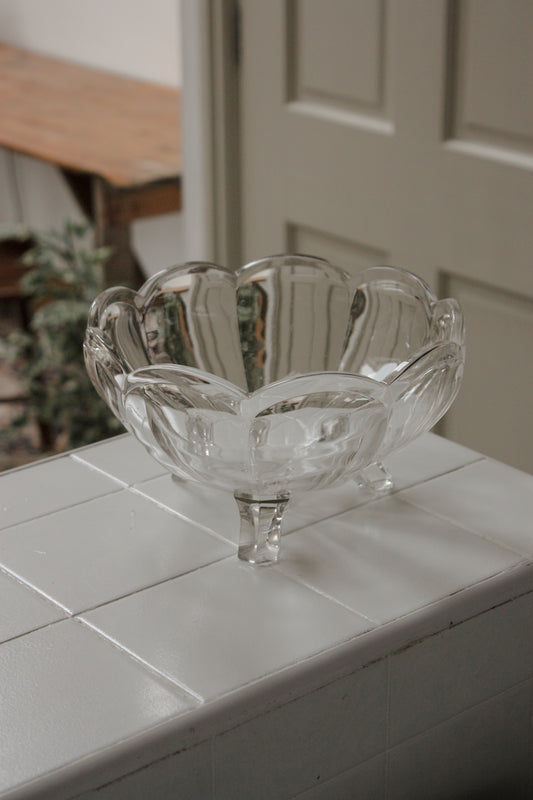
[288,375]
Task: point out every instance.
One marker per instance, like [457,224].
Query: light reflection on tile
[489,498]
[388,558]
[70,694]
[123,458]
[108,547]
[250,622]
[41,488]
[23,610]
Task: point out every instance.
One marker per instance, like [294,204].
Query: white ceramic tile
[68,693]
[123,458]
[427,457]
[105,548]
[212,508]
[23,610]
[45,487]
[310,507]
[217,510]
[488,497]
[225,625]
[187,775]
[364,782]
[389,558]
[480,755]
[305,742]
[446,673]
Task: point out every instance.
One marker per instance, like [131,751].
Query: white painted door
[401,132]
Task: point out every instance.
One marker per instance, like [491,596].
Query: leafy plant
[65,274]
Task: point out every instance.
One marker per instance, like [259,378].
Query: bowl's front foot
[376,478]
[260,533]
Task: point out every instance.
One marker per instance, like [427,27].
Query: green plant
[64,275]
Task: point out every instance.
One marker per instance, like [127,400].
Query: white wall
[137,38]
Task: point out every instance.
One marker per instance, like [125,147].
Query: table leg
[112,209]
[122,267]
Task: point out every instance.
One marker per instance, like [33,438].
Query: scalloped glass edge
[301,431]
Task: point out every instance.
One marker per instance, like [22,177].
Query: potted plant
[64,274]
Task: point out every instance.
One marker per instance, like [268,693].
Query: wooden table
[116,140]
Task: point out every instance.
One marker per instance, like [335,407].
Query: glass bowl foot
[376,478]
[260,534]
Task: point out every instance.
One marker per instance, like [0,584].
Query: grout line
[294,579]
[39,592]
[439,475]
[327,783]
[174,512]
[461,526]
[377,497]
[111,476]
[99,470]
[386,626]
[464,591]
[499,694]
[281,670]
[70,614]
[141,589]
[159,475]
[37,463]
[137,770]
[94,445]
[287,668]
[33,630]
[317,520]
[146,664]
[60,509]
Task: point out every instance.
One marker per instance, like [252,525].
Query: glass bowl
[288,375]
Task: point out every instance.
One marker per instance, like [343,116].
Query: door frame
[211,124]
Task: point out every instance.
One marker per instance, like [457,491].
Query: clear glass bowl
[287,375]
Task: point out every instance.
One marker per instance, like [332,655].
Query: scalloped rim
[140,299]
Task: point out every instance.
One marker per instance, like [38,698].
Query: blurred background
[132,38]
[365,131]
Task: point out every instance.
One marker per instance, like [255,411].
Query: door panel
[497,382]
[492,85]
[400,131]
[351,256]
[324,66]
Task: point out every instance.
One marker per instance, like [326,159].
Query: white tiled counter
[388,655]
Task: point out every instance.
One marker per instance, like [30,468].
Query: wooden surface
[80,119]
